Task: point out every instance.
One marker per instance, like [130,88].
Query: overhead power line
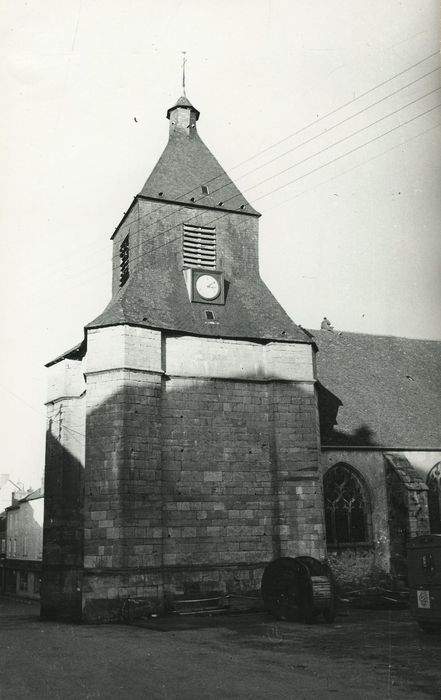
[305,175]
[174,210]
[201,199]
[313,123]
[272,177]
[326,148]
[337,109]
[300,177]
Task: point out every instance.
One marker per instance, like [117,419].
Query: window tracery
[347,509]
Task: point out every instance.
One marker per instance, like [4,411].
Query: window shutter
[124,261]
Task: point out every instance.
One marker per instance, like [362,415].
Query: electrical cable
[272,177]
[156,222]
[148,252]
[305,174]
[271,146]
[250,172]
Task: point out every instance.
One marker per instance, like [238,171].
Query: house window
[124,261]
[434,499]
[25,546]
[199,246]
[37,583]
[347,508]
[14,547]
[9,547]
[3,546]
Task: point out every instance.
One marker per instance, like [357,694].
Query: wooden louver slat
[199,246]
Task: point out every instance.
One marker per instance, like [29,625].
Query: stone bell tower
[194,393]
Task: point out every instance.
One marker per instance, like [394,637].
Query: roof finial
[184,59]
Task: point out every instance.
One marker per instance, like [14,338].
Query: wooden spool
[299,589]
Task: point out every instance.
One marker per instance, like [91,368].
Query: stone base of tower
[111,596]
[201,466]
[61,596]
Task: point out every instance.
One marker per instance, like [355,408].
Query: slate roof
[38,493]
[75,353]
[379,390]
[183,101]
[159,299]
[155,295]
[184,166]
[408,474]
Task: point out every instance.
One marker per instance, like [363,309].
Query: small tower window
[124,261]
[205,189]
[199,246]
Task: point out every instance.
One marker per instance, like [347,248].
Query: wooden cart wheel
[287,590]
[317,568]
[330,612]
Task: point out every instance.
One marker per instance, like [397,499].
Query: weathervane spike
[184,59]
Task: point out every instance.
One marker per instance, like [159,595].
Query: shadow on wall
[182,494]
[62,533]
[329,405]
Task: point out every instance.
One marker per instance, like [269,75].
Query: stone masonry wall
[240,458]
[63,507]
[218,495]
[193,484]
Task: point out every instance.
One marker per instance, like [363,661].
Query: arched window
[434,498]
[347,509]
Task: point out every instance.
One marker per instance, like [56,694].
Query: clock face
[208,286]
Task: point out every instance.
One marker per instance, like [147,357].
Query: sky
[324,112]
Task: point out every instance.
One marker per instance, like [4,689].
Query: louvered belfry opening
[124,261]
[199,246]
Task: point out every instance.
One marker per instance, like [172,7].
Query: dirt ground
[362,656]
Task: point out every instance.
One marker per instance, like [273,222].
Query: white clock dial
[207,286]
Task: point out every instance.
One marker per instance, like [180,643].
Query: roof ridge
[342,332]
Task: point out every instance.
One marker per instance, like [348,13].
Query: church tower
[182,444]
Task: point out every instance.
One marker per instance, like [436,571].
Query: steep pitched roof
[411,479]
[159,299]
[379,390]
[185,165]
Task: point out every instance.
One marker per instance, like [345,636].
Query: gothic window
[199,246]
[124,261]
[434,498]
[347,509]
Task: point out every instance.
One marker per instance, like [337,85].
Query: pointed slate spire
[187,172]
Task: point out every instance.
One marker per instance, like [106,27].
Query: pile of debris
[375,598]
